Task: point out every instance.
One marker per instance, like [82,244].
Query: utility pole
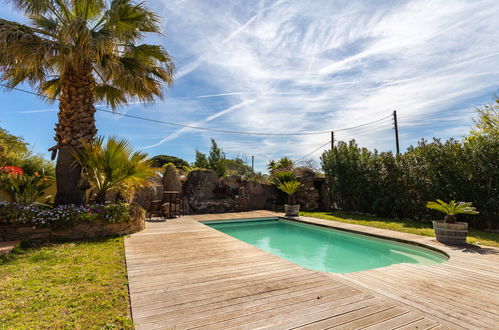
[253,163]
[332,140]
[396,130]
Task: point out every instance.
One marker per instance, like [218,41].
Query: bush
[64,216]
[399,186]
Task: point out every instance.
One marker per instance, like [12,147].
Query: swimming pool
[324,249]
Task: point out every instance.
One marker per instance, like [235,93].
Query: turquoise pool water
[325,249]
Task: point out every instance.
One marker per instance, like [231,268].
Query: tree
[80,52]
[161,160]
[237,166]
[113,167]
[201,160]
[14,151]
[283,164]
[487,121]
[11,147]
[216,160]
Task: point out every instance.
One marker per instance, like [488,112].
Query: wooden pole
[332,140]
[396,130]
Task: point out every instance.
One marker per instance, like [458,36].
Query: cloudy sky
[302,66]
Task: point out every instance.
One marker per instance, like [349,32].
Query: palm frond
[114,97]
[47,24]
[128,21]
[290,187]
[51,88]
[452,208]
[87,9]
[114,166]
[32,7]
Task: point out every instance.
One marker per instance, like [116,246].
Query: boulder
[171,179]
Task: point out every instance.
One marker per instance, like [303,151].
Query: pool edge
[299,219]
[400,240]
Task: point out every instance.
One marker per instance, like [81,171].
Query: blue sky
[300,66]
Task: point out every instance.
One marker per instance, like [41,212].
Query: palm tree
[81,52]
[113,167]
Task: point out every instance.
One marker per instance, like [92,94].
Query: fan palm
[113,167]
[290,188]
[452,209]
[81,52]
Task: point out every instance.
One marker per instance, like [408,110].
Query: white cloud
[321,65]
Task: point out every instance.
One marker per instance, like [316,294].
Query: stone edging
[19,232]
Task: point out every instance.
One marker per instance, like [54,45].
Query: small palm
[452,208]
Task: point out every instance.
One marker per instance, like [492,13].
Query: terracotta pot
[292,210]
[450,233]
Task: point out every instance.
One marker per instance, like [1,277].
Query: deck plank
[183,274]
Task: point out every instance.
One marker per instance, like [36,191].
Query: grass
[407,226]
[77,285]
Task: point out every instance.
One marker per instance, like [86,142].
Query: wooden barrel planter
[450,233]
[292,210]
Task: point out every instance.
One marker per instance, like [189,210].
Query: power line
[322,146]
[213,129]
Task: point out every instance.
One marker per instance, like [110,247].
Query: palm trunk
[76,127]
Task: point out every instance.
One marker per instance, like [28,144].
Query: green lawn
[407,226]
[77,285]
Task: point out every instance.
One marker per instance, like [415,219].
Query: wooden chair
[155,209]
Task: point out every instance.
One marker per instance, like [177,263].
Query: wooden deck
[183,274]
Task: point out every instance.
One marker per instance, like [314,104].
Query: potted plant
[448,230]
[290,188]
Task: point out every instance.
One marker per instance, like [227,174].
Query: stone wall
[205,192]
[15,232]
[308,196]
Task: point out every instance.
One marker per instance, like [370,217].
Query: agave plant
[113,167]
[81,52]
[451,209]
[290,188]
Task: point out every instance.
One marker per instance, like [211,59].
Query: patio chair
[155,209]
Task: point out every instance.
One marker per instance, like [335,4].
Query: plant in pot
[449,231]
[290,188]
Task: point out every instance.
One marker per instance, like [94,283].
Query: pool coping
[325,225]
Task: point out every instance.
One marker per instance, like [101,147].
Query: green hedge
[399,186]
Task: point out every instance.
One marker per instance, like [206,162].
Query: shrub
[399,186]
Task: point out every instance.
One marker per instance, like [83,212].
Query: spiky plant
[451,209]
[113,166]
[290,188]
[81,52]
[282,177]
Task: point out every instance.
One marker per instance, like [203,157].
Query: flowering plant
[15,170]
[63,215]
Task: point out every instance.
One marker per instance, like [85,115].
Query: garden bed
[39,223]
